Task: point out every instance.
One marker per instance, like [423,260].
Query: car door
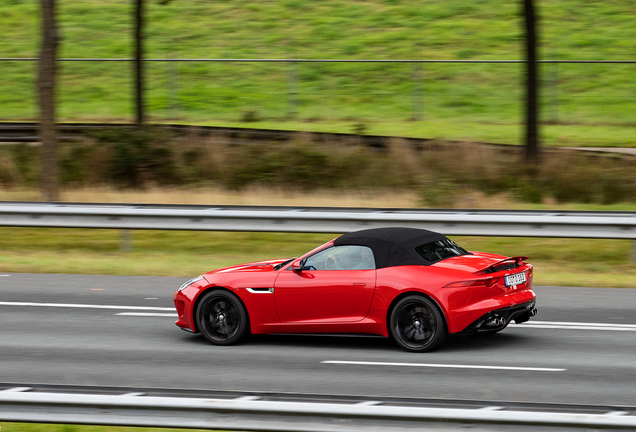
[334,285]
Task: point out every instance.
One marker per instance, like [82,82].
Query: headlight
[190,282]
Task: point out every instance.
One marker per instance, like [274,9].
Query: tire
[416,324]
[222,318]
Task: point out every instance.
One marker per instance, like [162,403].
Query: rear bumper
[500,318]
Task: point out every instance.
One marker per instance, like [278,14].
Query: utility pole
[139,81]
[532,84]
[49,183]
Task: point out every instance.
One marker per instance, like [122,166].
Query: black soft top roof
[392,246]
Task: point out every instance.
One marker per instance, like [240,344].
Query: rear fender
[420,293]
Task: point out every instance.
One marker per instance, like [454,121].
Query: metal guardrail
[566,224]
[249,412]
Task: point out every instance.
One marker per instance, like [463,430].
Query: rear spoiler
[516,259]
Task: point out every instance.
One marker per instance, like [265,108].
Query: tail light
[487,282]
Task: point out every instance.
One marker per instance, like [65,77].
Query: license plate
[516,279]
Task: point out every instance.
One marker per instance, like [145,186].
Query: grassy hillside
[588,104]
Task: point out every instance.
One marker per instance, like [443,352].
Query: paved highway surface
[579,349]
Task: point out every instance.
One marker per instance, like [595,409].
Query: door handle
[359,284]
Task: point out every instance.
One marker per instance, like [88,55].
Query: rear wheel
[416,324]
[222,318]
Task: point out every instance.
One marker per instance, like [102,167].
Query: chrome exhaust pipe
[496,322]
[533,312]
[492,322]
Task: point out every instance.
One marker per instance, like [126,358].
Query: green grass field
[564,262]
[586,104]
[582,104]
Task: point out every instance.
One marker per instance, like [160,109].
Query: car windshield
[440,249]
[283,264]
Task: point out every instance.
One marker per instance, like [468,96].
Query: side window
[341,258]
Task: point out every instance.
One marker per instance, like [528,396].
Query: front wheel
[222,318]
[416,324]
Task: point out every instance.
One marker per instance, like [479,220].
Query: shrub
[73,164]
[617,187]
[529,190]
[139,156]
[441,193]
[25,162]
[441,172]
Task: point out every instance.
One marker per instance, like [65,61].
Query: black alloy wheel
[222,318]
[416,324]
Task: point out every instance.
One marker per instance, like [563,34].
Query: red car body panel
[358,301]
[325,296]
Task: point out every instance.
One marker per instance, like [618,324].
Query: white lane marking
[531,324]
[18,389]
[151,298]
[576,326]
[566,323]
[85,306]
[148,314]
[450,366]
[5,275]
[246,398]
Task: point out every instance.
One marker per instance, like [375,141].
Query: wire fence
[581,91]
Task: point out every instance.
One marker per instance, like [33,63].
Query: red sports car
[413,285]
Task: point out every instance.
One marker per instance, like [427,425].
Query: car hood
[473,263]
[258,266]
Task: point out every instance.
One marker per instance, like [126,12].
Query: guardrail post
[417,91]
[125,240]
[292,89]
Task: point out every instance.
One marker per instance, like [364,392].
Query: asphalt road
[544,360]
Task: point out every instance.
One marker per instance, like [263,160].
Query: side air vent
[260,290]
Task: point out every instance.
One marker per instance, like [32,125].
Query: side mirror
[297,265]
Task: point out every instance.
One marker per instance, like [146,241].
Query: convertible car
[412,285]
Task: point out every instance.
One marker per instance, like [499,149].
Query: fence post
[172,89]
[556,92]
[417,91]
[292,89]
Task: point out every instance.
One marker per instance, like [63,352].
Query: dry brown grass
[217,169]
[216,196]
[261,196]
